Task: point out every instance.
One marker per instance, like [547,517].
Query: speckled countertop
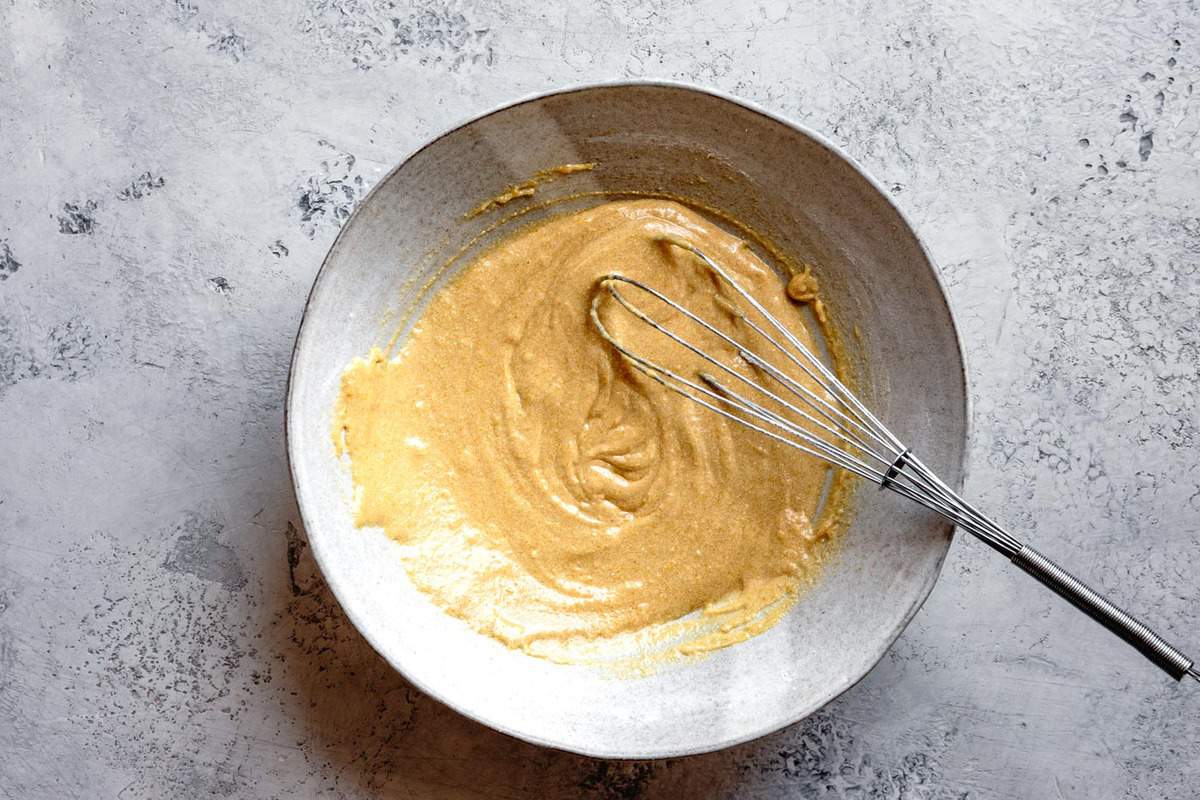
[174,172]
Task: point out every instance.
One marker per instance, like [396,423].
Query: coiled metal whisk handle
[1089,601]
[908,476]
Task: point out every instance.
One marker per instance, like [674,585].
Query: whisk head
[773,383]
[821,416]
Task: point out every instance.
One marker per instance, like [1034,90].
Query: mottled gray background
[173,172]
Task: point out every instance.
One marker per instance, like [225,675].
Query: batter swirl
[549,495]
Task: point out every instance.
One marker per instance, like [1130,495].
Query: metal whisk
[832,424]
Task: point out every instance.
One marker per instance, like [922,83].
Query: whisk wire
[914,485]
[836,427]
[696,350]
[760,412]
[921,478]
[710,399]
[831,381]
[907,476]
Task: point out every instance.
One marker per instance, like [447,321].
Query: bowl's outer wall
[779,180]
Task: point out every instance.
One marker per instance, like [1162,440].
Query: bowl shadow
[372,734]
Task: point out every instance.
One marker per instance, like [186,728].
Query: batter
[551,496]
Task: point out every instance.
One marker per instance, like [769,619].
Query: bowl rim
[615,752]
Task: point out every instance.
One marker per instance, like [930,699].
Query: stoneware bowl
[785,182]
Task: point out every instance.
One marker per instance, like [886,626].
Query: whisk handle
[1096,606]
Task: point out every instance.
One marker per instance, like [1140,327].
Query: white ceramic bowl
[785,182]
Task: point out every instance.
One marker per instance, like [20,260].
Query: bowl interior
[808,200]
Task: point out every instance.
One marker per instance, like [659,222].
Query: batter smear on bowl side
[556,499]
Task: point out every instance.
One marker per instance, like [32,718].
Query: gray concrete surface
[173,173]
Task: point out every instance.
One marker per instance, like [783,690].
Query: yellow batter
[548,494]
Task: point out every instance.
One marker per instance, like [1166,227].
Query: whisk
[832,424]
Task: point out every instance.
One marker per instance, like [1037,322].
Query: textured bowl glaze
[788,184]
